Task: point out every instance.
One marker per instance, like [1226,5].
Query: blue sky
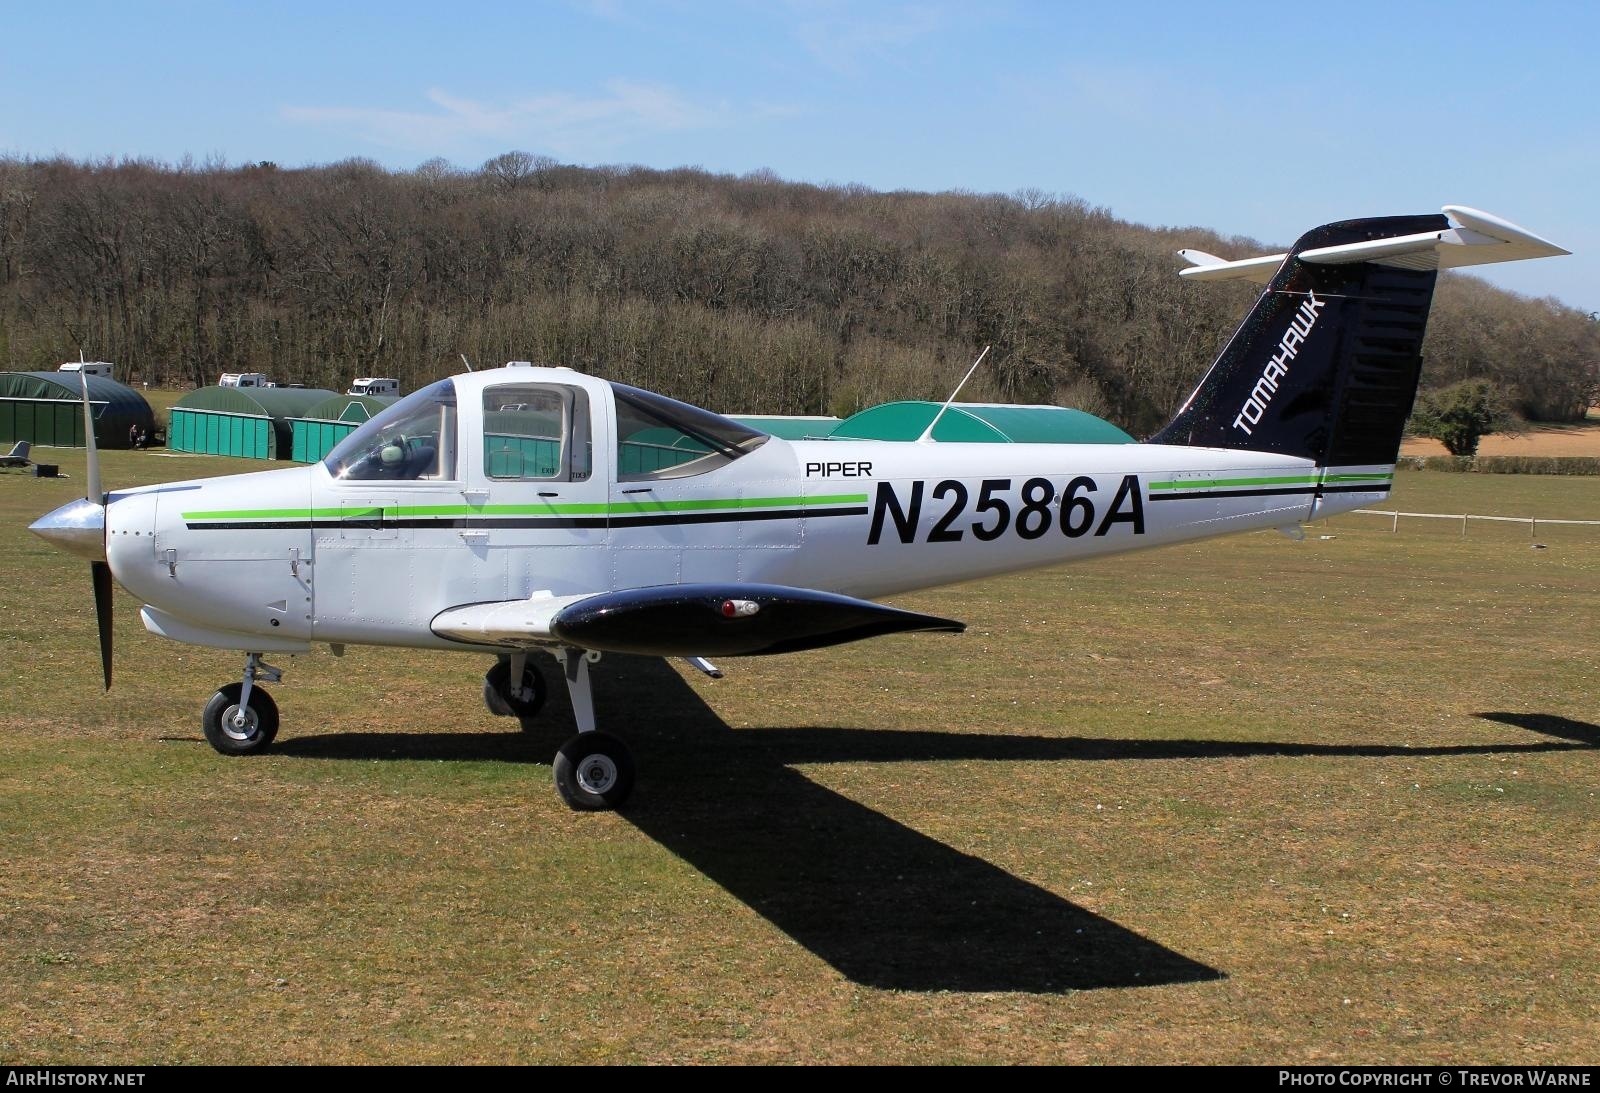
[1253,119]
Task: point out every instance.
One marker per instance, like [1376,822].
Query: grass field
[1248,801]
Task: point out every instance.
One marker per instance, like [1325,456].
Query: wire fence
[1465,519]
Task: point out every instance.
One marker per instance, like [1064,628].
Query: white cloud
[563,124]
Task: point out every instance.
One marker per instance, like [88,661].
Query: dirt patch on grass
[1535,440]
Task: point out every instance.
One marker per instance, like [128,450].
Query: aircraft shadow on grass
[885,905]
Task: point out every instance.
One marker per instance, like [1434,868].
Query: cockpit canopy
[535,429]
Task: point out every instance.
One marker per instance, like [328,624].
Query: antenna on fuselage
[927,434]
[466,362]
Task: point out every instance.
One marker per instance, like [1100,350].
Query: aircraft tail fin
[1325,365]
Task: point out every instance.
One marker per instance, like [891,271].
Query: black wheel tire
[501,702]
[261,717]
[594,772]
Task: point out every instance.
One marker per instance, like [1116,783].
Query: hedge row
[1504,464]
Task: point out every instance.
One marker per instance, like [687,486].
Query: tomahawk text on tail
[521,509]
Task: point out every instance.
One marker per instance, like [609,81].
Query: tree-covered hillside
[745,293]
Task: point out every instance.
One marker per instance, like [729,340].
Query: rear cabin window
[660,438]
[536,433]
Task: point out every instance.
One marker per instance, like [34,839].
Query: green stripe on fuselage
[601,508]
[1283,480]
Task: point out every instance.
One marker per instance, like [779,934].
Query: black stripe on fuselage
[1287,491]
[1381,487]
[635,520]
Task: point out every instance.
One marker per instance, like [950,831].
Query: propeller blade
[100,573]
[92,491]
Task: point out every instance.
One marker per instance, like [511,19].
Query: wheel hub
[597,773]
[239,724]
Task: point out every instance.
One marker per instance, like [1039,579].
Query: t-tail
[1325,365]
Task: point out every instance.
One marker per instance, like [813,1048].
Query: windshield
[659,437]
[412,441]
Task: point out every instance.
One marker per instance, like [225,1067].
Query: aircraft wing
[683,620]
[513,624]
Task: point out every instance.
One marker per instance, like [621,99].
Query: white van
[244,379]
[374,385]
[90,368]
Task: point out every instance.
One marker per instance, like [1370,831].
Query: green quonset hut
[977,423]
[250,422]
[46,408]
[314,433]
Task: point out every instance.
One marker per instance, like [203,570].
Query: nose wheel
[236,728]
[241,718]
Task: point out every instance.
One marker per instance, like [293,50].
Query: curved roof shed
[977,423]
[318,429]
[349,408]
[253,422]
[47,409]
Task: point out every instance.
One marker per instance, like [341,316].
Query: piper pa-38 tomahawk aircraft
[522,508]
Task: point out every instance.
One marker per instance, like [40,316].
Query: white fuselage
[278,559]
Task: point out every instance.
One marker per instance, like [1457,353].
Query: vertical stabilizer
[1325,366]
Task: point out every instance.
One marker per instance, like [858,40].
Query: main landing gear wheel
[498,696]
[221,725]
[594,771]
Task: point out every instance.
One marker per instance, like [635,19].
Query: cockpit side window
[536,432]
[660,438]
[412,441]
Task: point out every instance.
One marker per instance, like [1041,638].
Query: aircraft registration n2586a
[523,508]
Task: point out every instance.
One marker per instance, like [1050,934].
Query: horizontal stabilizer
[684,620]
[1474,238]
[1259,270]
